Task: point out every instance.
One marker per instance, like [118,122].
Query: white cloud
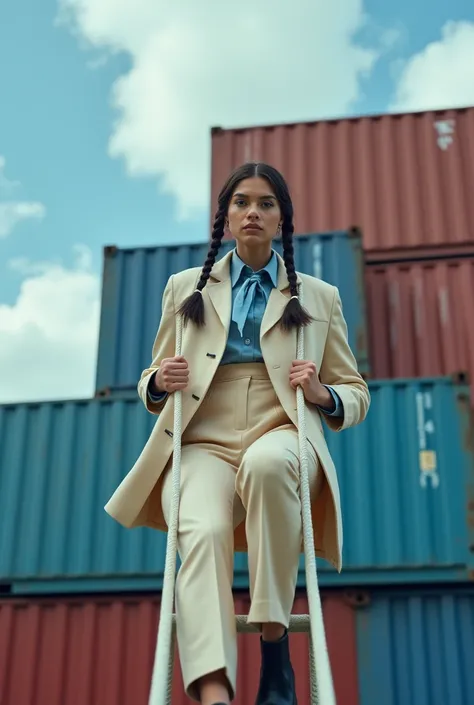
[48,337]
[441,75]
[195,65]
[13,211]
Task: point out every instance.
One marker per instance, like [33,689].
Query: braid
[289,258]
[192,309]
[294,314]
[216,240]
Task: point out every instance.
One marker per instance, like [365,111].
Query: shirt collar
[237,266]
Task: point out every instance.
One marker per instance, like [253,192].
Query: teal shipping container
[415,647]
[134,281]
[406,477]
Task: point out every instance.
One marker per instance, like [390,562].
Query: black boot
[277,680]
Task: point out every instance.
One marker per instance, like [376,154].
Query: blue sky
[57,119]
[54,126]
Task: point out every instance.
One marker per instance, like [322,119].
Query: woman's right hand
[172,376]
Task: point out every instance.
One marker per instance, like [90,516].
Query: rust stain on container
[406,179]
[100,651]
[420,318]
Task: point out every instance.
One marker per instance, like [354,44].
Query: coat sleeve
[339,371]
[163,347]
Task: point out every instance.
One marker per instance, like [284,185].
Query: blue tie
[245,297]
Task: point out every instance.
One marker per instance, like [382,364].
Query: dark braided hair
[294,314]
[192,309]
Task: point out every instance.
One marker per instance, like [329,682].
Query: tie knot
[257,276]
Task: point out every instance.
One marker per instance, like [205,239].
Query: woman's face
[254,213]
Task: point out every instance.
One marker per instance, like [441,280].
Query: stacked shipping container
[393,647]
[100,651]
[406,475]
[406,180]
[421,317]
[397,464]
[134,280]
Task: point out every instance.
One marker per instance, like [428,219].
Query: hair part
[294,315]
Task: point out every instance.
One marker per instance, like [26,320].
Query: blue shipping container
[416,648]
[406,476]
[134,281]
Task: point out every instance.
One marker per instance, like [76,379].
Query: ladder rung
[299,623]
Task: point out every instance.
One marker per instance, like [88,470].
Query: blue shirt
[246,347]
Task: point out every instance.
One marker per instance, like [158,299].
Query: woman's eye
[243,202]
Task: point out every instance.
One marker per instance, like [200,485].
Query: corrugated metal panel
[420,318]
[134,281]
[407,483]
[411,648]
[417,648]
[100,651]
[60,462]
[406,180]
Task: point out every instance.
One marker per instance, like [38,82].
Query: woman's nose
[253,212]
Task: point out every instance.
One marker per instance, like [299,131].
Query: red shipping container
[406,180]
[421,321]
[100,650]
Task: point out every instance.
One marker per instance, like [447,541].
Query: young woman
[240,467]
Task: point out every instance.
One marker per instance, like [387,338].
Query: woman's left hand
[305,374]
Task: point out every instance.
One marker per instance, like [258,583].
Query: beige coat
[137,500]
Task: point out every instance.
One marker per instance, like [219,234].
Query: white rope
[322,689]
[160,691]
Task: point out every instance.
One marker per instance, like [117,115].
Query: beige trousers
[239,463]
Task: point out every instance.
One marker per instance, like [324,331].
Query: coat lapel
[219,290]
[278,299]
[220,296]
[274,310]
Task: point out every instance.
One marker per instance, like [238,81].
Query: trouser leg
[204,602]
[268,484]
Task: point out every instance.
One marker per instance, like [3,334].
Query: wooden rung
[299,623]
